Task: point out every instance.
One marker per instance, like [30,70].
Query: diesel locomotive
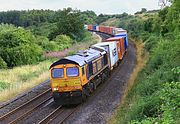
[73,78]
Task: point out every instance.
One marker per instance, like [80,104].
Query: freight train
[74,78]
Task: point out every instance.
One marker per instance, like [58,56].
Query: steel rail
[64,119]
[23,105]
[51,116]
[30,111]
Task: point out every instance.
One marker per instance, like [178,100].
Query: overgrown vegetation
[19,79]
[26,36]
[41,31]
[17,46]
[154,98]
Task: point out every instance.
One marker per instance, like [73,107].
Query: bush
[2,64]
[46,44]
[151,42]
[21,55]
[51,46]
[18,47]
[63,41]
[155,100]
[155,96]
[4,85]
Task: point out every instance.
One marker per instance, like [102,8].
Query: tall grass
[19,79]
[142,57]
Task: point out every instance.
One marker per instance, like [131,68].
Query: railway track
[59,115]
[103,36]
[28,107]
[51,116]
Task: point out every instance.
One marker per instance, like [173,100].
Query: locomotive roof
[121,30]
[114,38]
[104,43]
[81,58]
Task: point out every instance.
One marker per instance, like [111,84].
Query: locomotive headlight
[78,87]
[55,89]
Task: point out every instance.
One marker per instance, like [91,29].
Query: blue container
[94,27]
[126,39]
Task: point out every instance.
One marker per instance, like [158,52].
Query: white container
[120,32]
[86,27]
[111,49]
[97,28]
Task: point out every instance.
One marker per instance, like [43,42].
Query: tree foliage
[155,96]
[17,46]
[53,31]
[69,23]
[63,41]
[51,23]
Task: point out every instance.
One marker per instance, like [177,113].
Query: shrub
[2,63]
[21,55]
[63,41]
[151,42]
[46,44]
[4,85]
[51,46]
[18,47]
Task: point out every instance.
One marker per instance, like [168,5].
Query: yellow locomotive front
[66,83]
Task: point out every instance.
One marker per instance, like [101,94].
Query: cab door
[83,75]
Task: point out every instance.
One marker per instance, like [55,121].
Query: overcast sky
[99,6]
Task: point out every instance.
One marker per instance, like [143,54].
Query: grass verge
[17,80]
[154,97]
[141,59]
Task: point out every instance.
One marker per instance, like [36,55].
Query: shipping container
[86,27]
[112,31]
[90,27]
[120,43]
[97,28]
[111,49]
[102,29]
[94,28]
[119,32]
[107,30]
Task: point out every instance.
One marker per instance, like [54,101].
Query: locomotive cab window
[57,73]
[82,71]
[72,72]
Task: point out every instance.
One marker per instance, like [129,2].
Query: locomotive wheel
[84,97]
[91,87]
[94,86]
[56,100]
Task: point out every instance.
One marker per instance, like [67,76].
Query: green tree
[89,17]
[69,23]
[2,63]
[18,46]
[63,41]
[143,10]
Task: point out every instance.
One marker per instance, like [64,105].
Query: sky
[98,6]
